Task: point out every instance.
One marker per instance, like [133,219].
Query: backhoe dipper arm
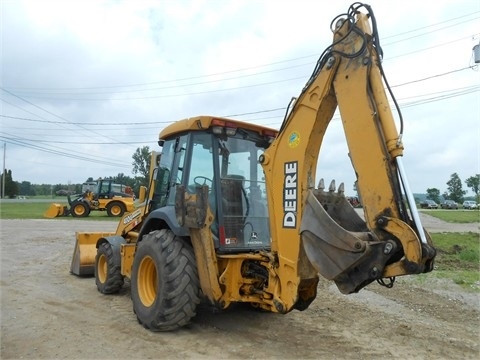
[321,225]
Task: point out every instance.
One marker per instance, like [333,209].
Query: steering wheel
[202,180]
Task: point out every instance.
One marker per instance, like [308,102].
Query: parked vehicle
[449,204]
[468,204]
[114,198]
[428,204]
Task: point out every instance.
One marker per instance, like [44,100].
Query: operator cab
[103,190]
[224,157]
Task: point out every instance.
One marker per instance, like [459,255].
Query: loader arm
[318,223]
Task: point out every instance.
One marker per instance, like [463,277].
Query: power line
[138,123]
[443,95]
[60,153]
[173,95]
[430,77]
[428,32]
[48,95]
[229,115]
[159,122]
[90,124]
[26,142]
[432,25]
[81,142]
[430,47]
[74,91]
[52,114]
[62,90]
[184,79]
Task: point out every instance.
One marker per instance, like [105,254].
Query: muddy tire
[79,209]
[108,276]
[116,208]
[164,284]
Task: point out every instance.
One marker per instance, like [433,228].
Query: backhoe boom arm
[319,223]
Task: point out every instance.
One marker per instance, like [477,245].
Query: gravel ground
[47,313]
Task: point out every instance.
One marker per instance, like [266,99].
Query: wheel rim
[116,210]
[147,281]
[79,210]
[102,268]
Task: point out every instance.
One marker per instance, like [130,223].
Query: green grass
[458,258]
[35,210]
[455,216]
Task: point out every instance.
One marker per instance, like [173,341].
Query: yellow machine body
[234,212]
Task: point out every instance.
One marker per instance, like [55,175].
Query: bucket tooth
[321,184]
[341,189]
[332,186]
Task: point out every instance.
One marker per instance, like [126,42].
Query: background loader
[107,196]
[233,212]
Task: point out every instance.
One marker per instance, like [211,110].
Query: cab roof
[205,122]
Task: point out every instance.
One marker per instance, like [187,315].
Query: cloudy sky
[85,83]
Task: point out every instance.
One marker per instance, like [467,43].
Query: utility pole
[3,175]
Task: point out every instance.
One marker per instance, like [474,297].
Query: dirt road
[47,313]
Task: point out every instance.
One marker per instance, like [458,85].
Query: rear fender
[115,242]
[162,218]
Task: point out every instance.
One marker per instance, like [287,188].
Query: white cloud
[86,50]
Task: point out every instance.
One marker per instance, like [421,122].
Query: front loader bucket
[55,210]
[83,260]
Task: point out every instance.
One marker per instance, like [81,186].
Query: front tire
[116,208]
[164,283]
[108,276]
[79,209]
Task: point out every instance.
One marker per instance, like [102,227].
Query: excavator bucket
[83,260]
[56,210]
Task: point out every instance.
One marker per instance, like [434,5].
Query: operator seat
[233,200]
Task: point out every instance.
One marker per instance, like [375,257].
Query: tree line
[455,190]
[140,170]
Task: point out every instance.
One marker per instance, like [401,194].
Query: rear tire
[116,208]
[108,276]
[164,283]
[79,209]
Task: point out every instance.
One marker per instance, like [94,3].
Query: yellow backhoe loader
[106,197]
[234,212]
